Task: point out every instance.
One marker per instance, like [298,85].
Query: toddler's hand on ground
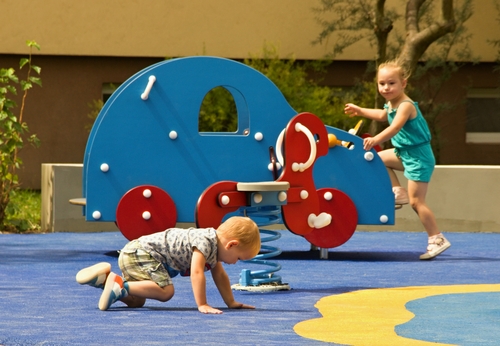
[236,305]
[207,309]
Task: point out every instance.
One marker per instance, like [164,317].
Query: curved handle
[303,166]
[279,148]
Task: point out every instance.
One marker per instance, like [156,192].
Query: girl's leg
[437,243]
[417,191]
[392,162]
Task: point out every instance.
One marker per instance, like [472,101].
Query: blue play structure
[147,166]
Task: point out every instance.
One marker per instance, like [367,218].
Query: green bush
[13,130]
[23,212]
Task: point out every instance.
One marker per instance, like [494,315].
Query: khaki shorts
[138,265]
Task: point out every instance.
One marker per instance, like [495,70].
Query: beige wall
[227,28]
[463,199]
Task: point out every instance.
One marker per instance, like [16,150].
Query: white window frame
[483,137]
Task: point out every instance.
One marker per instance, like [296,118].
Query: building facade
[89,45]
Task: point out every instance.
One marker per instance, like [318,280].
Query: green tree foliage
[13,130]
[496,43]
[431,47]
[218,112]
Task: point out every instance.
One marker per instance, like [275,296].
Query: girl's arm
[198,282]
[369,113]
[224,286]
[405,112]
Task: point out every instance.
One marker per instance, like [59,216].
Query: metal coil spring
[263,216]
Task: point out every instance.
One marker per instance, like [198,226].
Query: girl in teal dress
[412,152]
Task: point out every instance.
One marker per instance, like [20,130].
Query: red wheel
[344,219]
[145,210]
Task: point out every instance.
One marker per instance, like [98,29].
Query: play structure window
[222,111]
[483,116]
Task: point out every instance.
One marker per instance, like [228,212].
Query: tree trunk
[417,42]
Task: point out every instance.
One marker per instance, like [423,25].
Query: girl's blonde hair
[244,230]
[397,65]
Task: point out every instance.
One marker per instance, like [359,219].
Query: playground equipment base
[270,287]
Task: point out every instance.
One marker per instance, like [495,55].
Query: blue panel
[132,136]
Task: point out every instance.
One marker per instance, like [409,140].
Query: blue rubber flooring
[41,303]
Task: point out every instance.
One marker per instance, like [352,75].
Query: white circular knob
[96,215]
[225,200]
[282,196]
[147,193]
[104,167]
[368,156]
[328,196]
[384,219]
[304,194]
[172,135]
[257,198]
[146,215]
[259,136]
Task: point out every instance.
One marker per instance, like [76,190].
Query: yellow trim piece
[369,317]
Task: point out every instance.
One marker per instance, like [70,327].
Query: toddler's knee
[168,293]
[137,302]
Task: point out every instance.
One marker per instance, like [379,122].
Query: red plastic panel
[344,220]
[210,209]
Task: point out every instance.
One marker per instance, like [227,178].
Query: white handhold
[319,221]
[146,215]
[104,167]
[145,94]
[96,215]
[147,193]
[312,156]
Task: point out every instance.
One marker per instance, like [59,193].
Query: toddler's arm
[198,282]
[224,286]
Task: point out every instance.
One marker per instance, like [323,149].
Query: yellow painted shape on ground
[369,317]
